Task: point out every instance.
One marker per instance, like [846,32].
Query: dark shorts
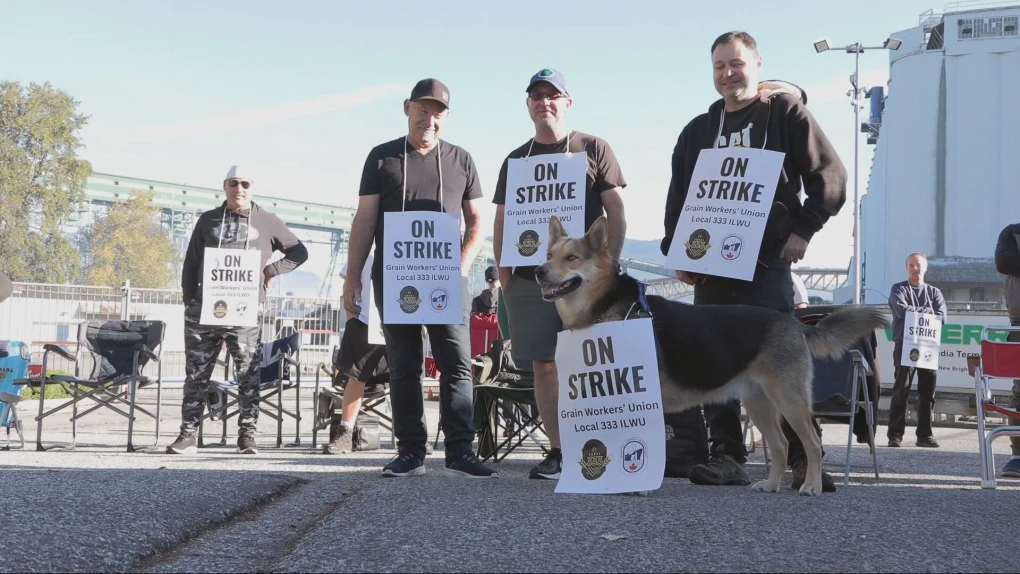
[534,322]
[359,360]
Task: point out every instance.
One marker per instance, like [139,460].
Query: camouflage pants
[202,346]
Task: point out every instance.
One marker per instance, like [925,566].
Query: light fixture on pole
[856,94]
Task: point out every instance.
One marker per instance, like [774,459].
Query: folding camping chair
[275,361]
[14,359]
[840,389]
[119,350]
[329,398]
[504,400]
[998,360]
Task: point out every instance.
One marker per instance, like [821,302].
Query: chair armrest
[290,361]
[141,349]
[59,351]
[328,369]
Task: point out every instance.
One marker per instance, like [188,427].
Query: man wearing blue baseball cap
[585,162]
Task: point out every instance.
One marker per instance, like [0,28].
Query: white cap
[236,172]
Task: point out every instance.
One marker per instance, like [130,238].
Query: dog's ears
[598,234]
[556,230]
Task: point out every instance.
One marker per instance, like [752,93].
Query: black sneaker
[246,444]
[799,470]
[186,443]
[342,441]
[927,442]
[550,468]
[720,470]
[895,442]
[407,463]
[467,464]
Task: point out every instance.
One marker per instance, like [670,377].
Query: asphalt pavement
[100,509]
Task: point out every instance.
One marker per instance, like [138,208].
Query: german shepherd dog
[710,353]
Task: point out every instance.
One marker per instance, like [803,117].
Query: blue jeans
[451,348]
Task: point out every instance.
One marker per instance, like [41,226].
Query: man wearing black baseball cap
[420,173]
[534,322]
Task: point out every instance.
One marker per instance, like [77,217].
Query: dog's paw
[765,486]
[811,489]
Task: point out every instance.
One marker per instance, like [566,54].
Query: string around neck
[223,227]
[403,180]
[532,145]
[722,121]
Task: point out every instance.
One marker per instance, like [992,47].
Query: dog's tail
[836,334]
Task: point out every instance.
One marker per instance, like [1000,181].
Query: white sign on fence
[610,409]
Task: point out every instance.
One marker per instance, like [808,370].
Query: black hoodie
[790,129]
[269,235]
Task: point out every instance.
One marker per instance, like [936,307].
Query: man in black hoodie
[782,124]
[209,322]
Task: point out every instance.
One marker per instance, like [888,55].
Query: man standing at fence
[914,301]
[419,186]
[1007,262]
[745,117]
[224,280]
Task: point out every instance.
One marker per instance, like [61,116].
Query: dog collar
[642,302]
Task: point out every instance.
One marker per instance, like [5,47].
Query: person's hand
[688,277]
[795,248]
[265,278]
[352,297]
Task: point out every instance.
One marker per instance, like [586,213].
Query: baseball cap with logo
[431,89]
[237,172]
[553,77]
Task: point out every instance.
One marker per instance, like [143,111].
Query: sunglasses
[539,96]
[244,184]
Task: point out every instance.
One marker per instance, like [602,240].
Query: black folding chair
[276,359]
[329,398]
[120,350]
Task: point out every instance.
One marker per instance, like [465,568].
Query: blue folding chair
[14,359]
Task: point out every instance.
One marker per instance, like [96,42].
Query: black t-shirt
[604,173]
[737,128]
[383,175]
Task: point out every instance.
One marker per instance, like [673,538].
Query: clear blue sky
[301,90]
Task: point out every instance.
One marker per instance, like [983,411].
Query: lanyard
[223,227]
[913,298]
[532,145]
[722,120]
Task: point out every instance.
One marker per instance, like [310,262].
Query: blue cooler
[14,359]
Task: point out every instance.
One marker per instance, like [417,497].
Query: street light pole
[855,99]
[857,174]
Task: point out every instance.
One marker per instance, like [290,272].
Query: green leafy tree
[42,180]
[129,243]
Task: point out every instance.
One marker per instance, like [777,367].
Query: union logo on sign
[731,248]
[633,456]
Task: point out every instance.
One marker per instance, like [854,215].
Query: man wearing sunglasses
[224,280]
[585,163]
